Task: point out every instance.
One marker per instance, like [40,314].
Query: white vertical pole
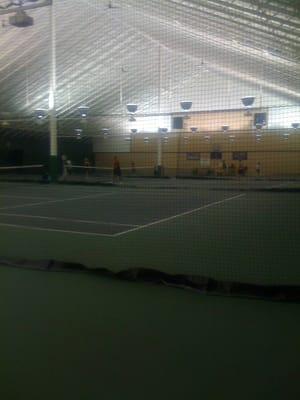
[260,86]
[159,78]
[121,87]
[260,95]
[159,150]
[27,83]
[52,94]
[159,138]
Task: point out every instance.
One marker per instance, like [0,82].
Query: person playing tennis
[258,168]
[117,173]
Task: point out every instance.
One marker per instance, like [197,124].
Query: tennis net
[79,173]
[29,173]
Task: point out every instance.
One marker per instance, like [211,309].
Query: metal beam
[265,32]
[256,13]
[244,17]
[26,7]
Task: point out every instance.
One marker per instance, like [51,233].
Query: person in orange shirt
[117,173]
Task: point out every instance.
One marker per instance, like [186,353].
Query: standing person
[133,170]
[64,166]
[257,168]
[233,169]
[69,167]
[87,165]
[117,173]
[46,177]
[224,167]
[240,168]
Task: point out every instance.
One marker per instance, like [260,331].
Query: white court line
[56,201]
[33,228]
[124,232]
[162,192]
[32,166]
[25,197]
[160,221]
[84,221]
[275,186]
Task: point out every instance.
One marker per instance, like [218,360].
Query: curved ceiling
[151,52]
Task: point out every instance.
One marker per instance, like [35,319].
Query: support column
[159,154]
[159,135]
[53,159]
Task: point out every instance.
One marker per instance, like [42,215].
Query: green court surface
[233,230]
[70,336]
[79,336]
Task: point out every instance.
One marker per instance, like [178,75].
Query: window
[193,156]
[240,155]
[177,123]
[216,155]
[260,118]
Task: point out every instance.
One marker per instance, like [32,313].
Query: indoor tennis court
[119,227]
[149,199]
